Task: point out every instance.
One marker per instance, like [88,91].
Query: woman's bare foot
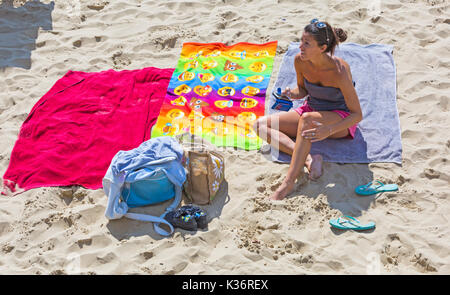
[285,189]
[314,165]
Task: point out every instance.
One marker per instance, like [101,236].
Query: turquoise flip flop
[348,222]
[375,187]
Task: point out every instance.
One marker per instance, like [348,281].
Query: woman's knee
[260,122]
[305,121]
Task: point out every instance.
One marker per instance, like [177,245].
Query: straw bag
[205,171]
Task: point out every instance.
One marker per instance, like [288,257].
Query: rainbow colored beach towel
[217,92]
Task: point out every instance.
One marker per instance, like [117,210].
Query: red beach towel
[76,128]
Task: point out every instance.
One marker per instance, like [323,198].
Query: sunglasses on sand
[320,25]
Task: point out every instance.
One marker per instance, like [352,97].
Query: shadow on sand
[338,184]
[125,228]
[19,28]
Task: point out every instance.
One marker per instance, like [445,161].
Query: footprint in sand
[397,252]
[84,242]
[98,6]
[77,43]
[423,263]
[120,60]
[431,173]
[7,248]
[147,255]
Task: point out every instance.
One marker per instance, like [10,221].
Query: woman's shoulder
[342,68]
[342,72]
[298,60]
[300,65]
[341,65]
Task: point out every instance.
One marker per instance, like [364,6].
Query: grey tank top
[325,98]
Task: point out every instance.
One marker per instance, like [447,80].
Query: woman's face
[309,47]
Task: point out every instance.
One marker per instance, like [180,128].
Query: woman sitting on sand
[331,109]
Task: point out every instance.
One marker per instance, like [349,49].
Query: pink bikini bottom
[305,108]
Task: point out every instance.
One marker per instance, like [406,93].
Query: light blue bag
[149,174]
[155,188]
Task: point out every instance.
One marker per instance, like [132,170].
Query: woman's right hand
[287,92]
[293,94]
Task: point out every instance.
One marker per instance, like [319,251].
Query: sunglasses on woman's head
[320,25]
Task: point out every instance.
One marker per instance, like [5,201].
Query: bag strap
[155,219]
[216,154]
[158,220]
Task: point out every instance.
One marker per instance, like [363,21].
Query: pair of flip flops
[375,187]
[348,222]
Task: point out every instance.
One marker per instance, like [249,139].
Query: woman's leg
[278,129]
[302,147]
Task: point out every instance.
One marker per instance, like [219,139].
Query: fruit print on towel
[217,92]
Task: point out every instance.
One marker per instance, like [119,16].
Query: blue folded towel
[377,137]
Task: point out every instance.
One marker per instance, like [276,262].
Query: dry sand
[64,230]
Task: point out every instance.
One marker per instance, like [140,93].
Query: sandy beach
[63,230]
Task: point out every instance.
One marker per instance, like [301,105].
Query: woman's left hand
[320,132]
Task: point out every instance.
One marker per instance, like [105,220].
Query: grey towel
[377,137]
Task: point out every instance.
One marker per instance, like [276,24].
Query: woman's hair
[335,35]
